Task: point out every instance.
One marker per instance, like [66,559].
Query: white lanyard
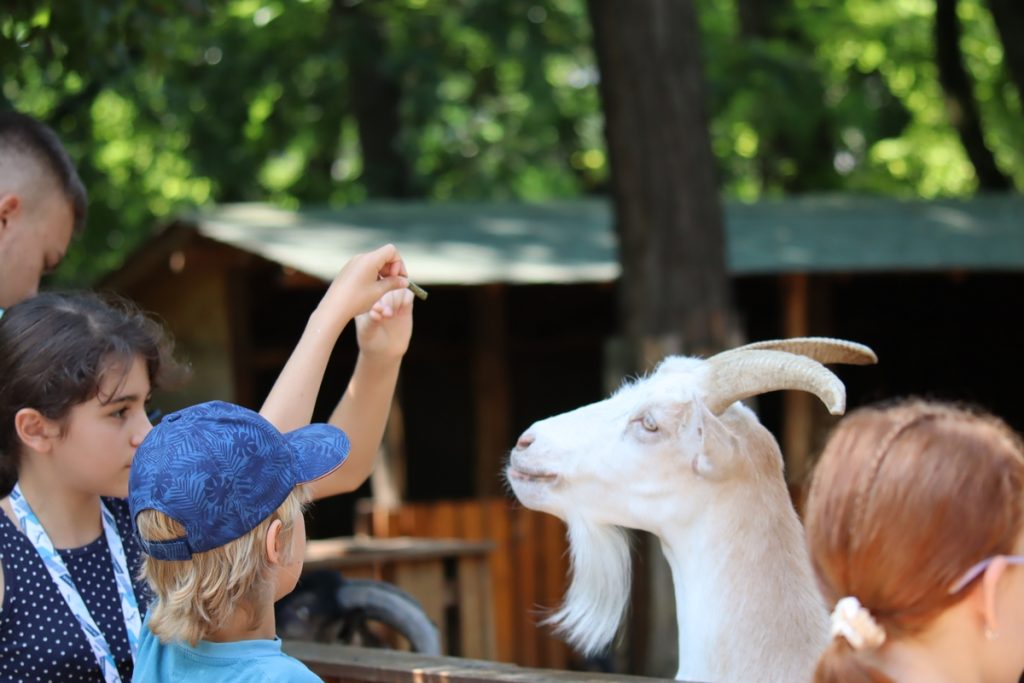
[35,532]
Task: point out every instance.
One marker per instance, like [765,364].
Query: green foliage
[855,85]
[167,104]
[170,104]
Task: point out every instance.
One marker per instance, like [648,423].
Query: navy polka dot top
[40,639]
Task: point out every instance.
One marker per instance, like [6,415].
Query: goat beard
[599,592]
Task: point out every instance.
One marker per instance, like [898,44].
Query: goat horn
[825,350]
[736,375]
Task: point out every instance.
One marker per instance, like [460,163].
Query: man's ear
[9,204]
[274,542]
[35,430]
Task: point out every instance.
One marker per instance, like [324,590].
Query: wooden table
[450,578]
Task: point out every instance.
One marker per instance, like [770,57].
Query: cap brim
[319,450]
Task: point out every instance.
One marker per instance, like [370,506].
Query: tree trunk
[663,177]
[674,290]
[1009,20]
[375,99]
[960,103]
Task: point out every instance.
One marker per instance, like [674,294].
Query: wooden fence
[340,664]
[529,565]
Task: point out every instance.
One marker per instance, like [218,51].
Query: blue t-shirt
[245,661]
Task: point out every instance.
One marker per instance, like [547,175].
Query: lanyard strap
[35,532]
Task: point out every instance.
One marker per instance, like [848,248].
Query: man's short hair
[24,135]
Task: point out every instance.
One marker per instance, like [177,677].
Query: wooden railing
[337,664]
[449,577]
[528,566]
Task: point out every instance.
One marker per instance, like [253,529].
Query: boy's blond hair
[197,597]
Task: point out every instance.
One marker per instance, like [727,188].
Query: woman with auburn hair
[914,524]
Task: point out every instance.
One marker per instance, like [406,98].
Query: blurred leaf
[167,103]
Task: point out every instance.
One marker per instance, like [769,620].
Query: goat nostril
[524,441]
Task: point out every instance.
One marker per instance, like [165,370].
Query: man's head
[216,494]
[42,202]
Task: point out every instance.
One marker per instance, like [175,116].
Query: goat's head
[660,450]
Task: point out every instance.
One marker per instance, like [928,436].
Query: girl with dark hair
[75,374]
[915,525]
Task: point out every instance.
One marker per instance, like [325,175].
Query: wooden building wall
[486,362]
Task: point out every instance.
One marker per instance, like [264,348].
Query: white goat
[675,454]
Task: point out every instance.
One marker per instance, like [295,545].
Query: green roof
[573,241]
[858,234]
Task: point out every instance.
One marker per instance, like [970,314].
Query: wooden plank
[424,580]
[524,549]
[343,546]
[473,516]
[490,386]
[364,665]
[476,615]
[506,614]
[338,553]
[152,261]
[368,571]
[798,406]
[423,521]
[406,522]
[444,522]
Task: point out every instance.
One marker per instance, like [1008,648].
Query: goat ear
[716,446]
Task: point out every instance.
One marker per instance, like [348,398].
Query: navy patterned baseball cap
[219,470]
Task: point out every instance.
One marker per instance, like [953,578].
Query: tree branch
[960,102]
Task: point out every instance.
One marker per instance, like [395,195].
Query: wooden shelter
[522,313]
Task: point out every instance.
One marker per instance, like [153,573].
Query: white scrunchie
[853,622]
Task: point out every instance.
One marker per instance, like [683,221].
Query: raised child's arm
[361,283]
[362,413]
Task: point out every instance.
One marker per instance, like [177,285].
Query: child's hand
[363,281]
[385,330]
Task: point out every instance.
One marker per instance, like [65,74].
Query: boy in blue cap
[217,491]
[217,494]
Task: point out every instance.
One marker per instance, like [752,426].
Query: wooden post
[798,415]
[476,609]
[490,388]
[425,581]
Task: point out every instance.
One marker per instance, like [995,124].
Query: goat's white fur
[599,592]
[711,487]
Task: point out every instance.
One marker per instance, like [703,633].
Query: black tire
[327,608]
[394,608]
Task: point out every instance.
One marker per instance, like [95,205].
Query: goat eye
[648,423]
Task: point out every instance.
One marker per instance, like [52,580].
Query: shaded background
[666,107]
